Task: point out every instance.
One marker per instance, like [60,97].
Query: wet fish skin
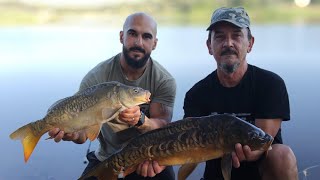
[185,142]
[86,110]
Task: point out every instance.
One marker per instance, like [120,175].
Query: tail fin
[28,139]
[101,172]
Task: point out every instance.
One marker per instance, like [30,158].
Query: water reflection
[312,172]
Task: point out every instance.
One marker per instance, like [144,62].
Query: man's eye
[131,33]
[147,37]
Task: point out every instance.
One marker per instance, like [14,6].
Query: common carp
[86,110]
[185,142]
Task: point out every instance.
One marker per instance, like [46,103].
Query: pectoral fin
[185,170]
[226,166]
[93,131]
[110,113]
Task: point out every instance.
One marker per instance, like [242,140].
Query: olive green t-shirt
[155,78]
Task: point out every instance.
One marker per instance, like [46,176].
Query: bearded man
[134,67]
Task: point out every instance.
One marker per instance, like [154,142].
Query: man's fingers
[239,152]
[235,160]
[75,136]
[59,136]
[151,172]
[144,169]
[71,136]
[67,136]
[53,132]
[157,168]
[138,171]
[247,151]
[81,137]
[130,114]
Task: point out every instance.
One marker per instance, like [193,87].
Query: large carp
[185,142]
[86,110]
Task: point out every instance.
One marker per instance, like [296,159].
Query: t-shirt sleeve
[166,92]
[272,99]
[93,77]
[88,81]
[85,83]
[191,105]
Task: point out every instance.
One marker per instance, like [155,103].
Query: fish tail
[101,172]
[29,138]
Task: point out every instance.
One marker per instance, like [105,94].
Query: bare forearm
[160,115]
[152,123]
[270,126]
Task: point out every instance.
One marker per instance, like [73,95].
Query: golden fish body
[185,142]
[86,110]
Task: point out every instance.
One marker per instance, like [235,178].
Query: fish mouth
[148,94]
[268,145]
[269,140]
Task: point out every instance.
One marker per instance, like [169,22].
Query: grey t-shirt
[155,78]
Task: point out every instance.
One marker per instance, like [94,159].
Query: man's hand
[58,135]
[149,169]
[130,116]
[244,153]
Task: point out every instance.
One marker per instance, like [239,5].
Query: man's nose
[228,42]
[138,41]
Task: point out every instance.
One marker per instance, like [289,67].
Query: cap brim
[229,21]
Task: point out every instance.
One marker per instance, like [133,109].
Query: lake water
[39,65]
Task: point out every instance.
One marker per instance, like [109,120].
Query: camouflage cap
[235,15]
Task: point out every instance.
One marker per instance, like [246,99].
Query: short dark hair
[249,34]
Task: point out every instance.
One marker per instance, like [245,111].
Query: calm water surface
[41,65]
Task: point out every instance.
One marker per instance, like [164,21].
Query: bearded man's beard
[229,68]
[226,67]
[132,62]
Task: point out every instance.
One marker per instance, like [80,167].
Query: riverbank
[174,13]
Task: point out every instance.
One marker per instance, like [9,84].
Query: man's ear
[251,42]
[209,46]
[121,36]
[155,44]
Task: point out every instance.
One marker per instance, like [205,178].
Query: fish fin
[226,166]
[55,104]
[110,113]
[185,170]
[28,139]
[93,132]
[101,172]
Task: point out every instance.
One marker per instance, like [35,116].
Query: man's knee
[281,155]
[280,162]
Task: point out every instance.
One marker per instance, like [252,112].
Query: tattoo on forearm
[167,111]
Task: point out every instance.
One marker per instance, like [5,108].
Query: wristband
[141,120]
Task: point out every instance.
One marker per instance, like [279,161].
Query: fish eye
[261,134]
[135,90]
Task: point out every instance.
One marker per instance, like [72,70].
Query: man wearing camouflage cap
[251,93]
